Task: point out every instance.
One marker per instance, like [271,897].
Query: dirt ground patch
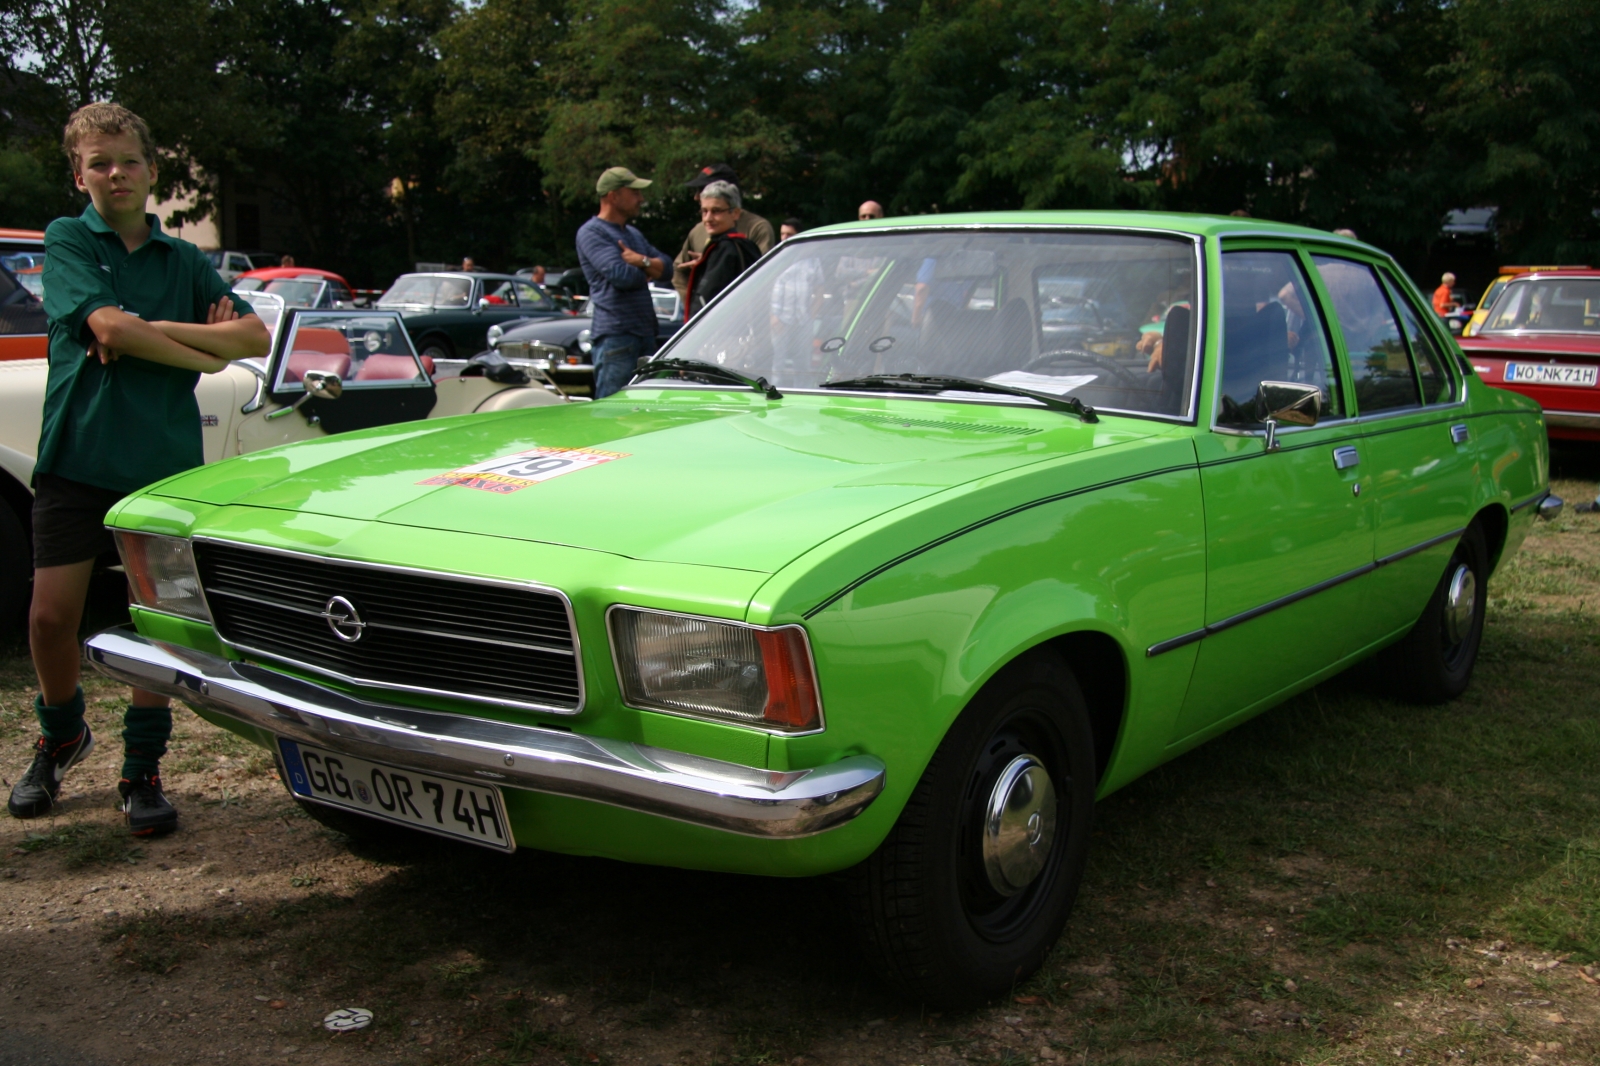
[1343,880]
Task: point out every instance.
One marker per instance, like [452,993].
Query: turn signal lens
[719,670]
[162,574]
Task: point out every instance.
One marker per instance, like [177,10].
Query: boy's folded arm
[123,334]
[244,337]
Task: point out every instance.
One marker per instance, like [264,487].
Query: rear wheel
[16,575]
[436,347]
[971,888]
[1433,663]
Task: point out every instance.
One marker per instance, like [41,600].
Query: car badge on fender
[343,619]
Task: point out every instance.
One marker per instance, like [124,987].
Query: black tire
[436,347]
[16,576]
[1433,663]
[936,925]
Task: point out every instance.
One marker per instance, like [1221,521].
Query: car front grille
[418,631]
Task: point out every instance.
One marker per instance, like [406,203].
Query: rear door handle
[1345,457]
[1459,433]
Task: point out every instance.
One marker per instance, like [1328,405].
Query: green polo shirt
[123,425]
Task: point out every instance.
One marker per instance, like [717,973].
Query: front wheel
[1433,663]
[971,888]
[436,347]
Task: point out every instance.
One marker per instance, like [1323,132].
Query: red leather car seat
[390,368]
[318,349]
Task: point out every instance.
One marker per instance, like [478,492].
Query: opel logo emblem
[343,619]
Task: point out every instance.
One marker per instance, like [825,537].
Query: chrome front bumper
[687,788]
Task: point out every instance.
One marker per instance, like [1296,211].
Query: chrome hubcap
[1019,825]
[1460,603]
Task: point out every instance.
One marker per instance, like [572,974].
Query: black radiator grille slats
[423,631]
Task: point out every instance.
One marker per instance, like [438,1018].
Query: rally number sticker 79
[510,473]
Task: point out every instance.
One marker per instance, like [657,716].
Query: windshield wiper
[694,369]
[935,383]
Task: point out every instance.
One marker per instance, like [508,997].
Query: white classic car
[328,371]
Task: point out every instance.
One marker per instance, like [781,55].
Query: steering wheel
[1075,355]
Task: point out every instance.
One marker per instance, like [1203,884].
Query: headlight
[496,331]
[720,670]
[585,342]
[162,574]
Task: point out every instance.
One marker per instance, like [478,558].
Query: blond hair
[106,119]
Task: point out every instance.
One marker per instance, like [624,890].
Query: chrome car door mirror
[1287,402]
[322,385]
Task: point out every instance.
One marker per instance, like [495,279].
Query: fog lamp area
[162,574]
[723,671]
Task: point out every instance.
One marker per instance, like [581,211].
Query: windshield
[363,350]
[1547,305]
[426,290]
[1073,314]
[296,293]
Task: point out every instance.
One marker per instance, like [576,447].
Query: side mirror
[1287,402]
[322,385]
[484,303]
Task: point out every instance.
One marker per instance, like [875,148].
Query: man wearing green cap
[619,264]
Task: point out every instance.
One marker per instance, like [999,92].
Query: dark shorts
[69,521]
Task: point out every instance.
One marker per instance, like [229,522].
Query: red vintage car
[1542,339]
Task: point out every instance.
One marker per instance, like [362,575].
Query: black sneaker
[149,813]
[36,793]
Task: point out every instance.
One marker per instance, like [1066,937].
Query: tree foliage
[399,130]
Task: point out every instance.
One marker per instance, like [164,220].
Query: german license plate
[1552,374]
[461,809]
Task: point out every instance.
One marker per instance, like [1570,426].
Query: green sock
[63,723]
[144,739]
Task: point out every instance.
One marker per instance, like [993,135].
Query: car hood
[670,475]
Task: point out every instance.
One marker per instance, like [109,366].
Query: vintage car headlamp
[585,341]
[162,574]
[707,668]
[496,331]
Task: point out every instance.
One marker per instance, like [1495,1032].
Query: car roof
[1560,272]
[306,273]
[1168,221]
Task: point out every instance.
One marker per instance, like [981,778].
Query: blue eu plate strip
[298,782]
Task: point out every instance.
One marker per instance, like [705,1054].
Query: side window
[1271,331]
[1379,364]
[1432,369]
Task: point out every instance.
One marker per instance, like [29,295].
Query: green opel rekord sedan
[916,541]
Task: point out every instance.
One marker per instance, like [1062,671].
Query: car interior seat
[1255,348]
[1177,360]
[382,367]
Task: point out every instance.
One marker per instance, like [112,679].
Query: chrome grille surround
[284,594]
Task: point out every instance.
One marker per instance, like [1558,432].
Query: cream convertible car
[327,372]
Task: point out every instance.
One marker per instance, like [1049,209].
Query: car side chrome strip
[748,800]
[1295,597]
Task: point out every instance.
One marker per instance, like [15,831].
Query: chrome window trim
[816,685]
[1197,242]
[566,601]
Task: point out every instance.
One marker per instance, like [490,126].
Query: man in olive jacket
[751,225]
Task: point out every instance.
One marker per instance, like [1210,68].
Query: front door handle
[1459,433]
[1346,457]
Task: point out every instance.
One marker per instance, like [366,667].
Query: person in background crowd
[619,265]
[868,211]
[468,264]
[751,225]
[1346,233]
[1443,298]
[728,253]
[538,275]
[790,227]
[286,261]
